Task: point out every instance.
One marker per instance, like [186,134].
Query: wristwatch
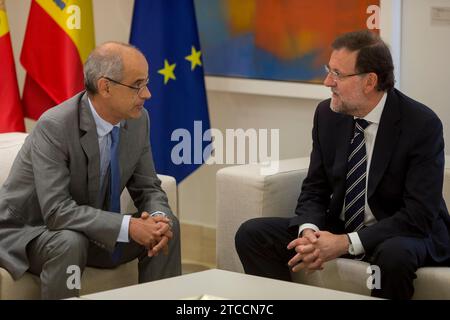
[351,249]
[163,214]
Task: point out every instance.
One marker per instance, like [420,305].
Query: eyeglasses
[138,89]
[336,75]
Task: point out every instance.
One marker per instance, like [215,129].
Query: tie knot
[361,125]
[115,134]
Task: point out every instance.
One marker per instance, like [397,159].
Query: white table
[222,284]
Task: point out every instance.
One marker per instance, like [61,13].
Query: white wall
[425,76]
[17,12]
[425,59]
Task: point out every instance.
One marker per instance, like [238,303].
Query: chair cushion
[351,276]
[340,274]
[93,280]
[432,283]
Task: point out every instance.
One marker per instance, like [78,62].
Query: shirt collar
[103,126]
[374,116]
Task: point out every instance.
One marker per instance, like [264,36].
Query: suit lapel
[387,137]
[344,132]
[89,143]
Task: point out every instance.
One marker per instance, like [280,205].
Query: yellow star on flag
[167,71]
[194,58]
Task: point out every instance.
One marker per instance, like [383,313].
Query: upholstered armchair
[243,192]
[93,279]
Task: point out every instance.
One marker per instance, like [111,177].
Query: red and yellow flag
[11,114]
[58,40]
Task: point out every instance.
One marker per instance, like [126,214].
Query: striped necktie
[355,186]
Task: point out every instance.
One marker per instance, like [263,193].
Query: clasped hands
[153,233]
[315,248]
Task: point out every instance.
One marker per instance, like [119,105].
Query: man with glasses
[60,205]
[374,186]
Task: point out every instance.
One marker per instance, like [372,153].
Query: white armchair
[93,279]
[244,193]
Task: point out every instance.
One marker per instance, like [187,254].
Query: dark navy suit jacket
[405,177]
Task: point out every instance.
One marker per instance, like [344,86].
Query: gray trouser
[53,252]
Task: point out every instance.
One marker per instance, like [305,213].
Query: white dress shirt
[370,135]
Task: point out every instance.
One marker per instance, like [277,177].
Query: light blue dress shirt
[104,142]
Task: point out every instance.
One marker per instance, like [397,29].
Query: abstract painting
[285,40]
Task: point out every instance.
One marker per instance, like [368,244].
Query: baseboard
[198,245]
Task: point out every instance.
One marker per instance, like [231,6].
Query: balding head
[107,60]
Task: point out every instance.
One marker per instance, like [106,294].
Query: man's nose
[329,81]
[146,94]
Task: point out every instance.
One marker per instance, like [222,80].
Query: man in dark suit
[374,185]
[60,205]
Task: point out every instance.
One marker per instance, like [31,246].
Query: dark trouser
[53,252]
[261,245]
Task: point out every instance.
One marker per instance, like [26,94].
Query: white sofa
[93,279]
[244,193]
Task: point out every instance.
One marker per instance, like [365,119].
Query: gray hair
[105,61]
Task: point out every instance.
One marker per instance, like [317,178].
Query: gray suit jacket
[54,183]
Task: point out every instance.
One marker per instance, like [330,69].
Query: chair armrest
[10,144]
[168,184]
[243,193]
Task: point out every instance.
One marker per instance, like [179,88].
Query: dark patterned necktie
[355,187]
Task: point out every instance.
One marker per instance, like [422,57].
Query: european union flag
[166,32]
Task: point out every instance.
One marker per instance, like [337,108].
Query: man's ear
[103,87]
[371,82]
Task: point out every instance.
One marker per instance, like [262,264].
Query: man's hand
[163,223]
[144,232]
[307,255]
[331,245]
[312,255]
[150,231]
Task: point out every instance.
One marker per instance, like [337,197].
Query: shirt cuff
[307,226]
[357,244]
[123,234]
